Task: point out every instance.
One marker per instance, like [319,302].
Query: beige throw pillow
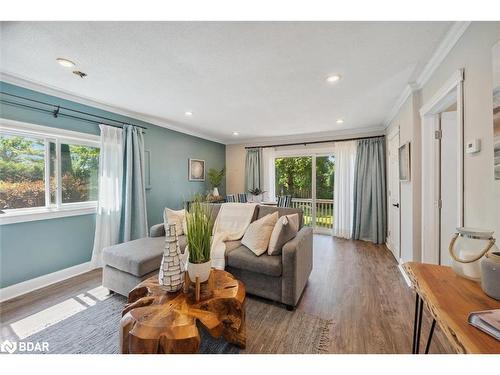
[285,229]
[258,233]
[178,218]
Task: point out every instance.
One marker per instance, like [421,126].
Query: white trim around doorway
[450,92]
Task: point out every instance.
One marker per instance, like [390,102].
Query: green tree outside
[294,177]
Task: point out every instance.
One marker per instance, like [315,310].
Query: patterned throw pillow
[258,233]
[285,229]
[176,217]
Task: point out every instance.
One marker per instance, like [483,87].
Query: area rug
[270,329]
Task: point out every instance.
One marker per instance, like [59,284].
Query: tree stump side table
[155,321]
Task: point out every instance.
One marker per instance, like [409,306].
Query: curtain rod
[315,142]
[57,111]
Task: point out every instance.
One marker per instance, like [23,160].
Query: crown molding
[67,95]
[408,90]
[311,137]
[451,38]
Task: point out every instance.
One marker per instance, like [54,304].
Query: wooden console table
[449,299]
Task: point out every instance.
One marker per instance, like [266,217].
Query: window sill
[26,215]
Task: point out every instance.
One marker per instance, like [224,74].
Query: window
[46,169]
[79,166]
[22,171]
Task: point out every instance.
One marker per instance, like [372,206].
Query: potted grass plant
[199,239]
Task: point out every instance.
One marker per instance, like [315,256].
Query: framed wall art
[196,170]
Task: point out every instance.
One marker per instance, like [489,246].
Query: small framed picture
[404,162]
[196,170]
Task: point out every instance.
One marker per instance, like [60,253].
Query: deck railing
[324,211]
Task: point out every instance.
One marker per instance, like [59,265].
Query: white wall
[473,53]
[481,192]
[235,169]
[408,122]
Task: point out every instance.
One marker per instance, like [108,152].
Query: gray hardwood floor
[354,283]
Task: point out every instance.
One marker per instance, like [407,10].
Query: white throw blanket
[231,223]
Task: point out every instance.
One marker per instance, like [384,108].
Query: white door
[449,182]
[393,196]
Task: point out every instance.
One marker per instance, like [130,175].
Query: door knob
[396,205]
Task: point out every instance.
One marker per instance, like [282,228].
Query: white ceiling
[262,79]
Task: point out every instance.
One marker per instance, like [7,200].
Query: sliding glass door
[309,180]
[323,202]
[294,178]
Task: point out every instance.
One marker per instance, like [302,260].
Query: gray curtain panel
[134,223]
[370,211]
[253,170]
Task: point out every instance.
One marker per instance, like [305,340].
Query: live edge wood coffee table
[155,321]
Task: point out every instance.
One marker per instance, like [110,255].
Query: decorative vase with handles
[467,247]
[200,270]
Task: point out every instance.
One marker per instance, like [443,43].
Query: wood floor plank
[355,284]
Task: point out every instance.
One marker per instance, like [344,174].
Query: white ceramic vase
[171,274]
[200,270]
[215,192]
[257,198]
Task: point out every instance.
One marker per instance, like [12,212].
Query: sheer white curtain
[343,195]
[107,230]
[268,174]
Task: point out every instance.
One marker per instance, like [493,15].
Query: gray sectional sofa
[280,278]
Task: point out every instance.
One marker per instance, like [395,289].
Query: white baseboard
[405,276]
[42,281]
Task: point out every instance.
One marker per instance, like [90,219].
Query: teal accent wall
[36,248]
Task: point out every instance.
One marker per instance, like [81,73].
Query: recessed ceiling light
[340,121]
[333,78]
[65,62]
[188,113]
[236,134]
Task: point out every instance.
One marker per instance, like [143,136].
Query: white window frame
[58,136]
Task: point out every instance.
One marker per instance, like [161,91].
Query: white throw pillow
[285,229]
[258,233]
[178,218]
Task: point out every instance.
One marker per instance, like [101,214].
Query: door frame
[452,91]
[392,134]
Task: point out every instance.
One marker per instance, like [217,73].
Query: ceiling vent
[80,74]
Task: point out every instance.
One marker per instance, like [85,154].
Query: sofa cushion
[258,233]
[244,259]
[285,229]
[137,257]
[282,211]
[177,218]
[231,245]
[214,210]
